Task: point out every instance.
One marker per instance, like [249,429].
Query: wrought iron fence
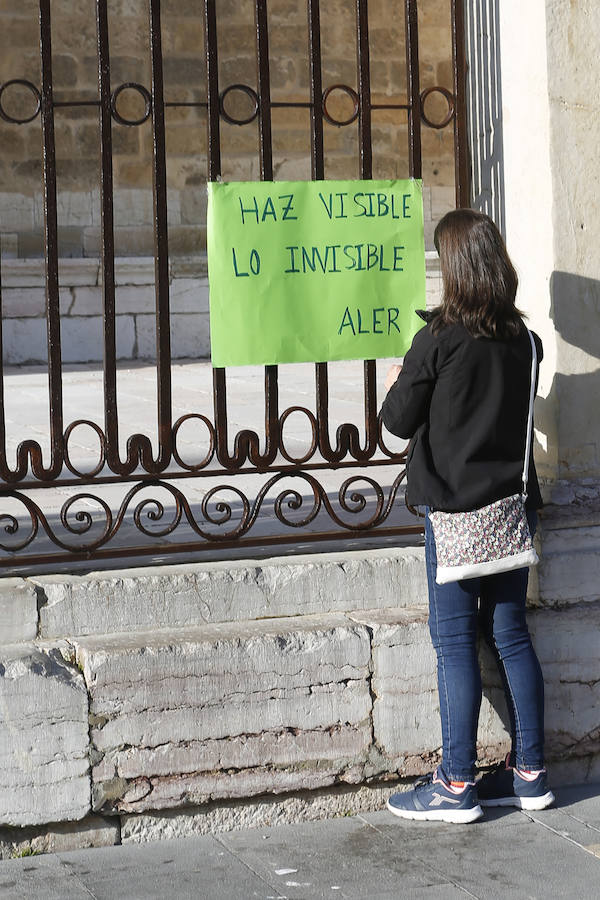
[87,526]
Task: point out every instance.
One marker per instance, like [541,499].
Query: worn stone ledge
[44,764]
[238,709]
[569,570]
[18,611]
[176,718]
[229,591]
[264,811]
[93,831]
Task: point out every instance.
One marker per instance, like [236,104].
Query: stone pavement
[509,854]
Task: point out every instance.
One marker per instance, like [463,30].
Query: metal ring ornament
[144,92]
[91,473]
[354,97]
[449,100]
[31,87]
[194,467]
[299,460]
[245,89]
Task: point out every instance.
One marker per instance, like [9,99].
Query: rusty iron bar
[459,68]
[213,124]
[161,254]
[198,546]
[5,473]
[107,247]
[266,174]
[51,262]
[412,83]
[364,90]
[366,171]
[265,143]
[214,172]
[317,160]
[176,475]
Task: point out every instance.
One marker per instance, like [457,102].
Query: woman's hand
[392,376]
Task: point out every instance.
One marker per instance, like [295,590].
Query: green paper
[311,271]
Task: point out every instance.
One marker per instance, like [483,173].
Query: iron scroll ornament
[217,521]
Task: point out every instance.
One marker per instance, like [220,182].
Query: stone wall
[24,330]
[178,699]
[77,135]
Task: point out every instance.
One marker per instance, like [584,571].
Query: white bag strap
[530,414]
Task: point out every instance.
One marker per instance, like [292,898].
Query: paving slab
[40,877]
[509,854]
[186,870]
[336,858]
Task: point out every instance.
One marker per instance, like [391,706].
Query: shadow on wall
[484,108]
[566,634]
[568,416]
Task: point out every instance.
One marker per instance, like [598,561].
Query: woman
[462,397]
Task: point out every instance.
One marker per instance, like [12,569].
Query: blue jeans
[454,617]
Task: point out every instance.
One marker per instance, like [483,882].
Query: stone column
[551,128]
[551,132]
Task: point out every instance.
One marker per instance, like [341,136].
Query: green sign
[306,271]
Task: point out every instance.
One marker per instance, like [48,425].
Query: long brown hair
[479,280]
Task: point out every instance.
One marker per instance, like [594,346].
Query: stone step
[187,716]
[177,718]
[140,599]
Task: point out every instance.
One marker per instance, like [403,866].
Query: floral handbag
[494,538]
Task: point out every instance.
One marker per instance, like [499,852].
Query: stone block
[87,301]
[70,244]
[175,596]
[130,240]
[189,295]
[44,767]
[569,570]
[24,341]
[187,240]
[405,720]
[193,267]
[568,645]
[406,724]
[17,211]
[190,336]
[9,246]
[93,831]
[145,332]
[134,206]
[25,273]
[74,208]
[134,270]
[23,302]
[82,338]
[30,302]
[172,701]
[222,816]
[31,243]
[72,272]
[18,611]
[136,298]
[193,207]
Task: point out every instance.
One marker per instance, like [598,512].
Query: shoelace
[423,781]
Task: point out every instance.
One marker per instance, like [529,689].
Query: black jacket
[464,403]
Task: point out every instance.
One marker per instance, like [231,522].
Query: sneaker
[505,786]
[436,799]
